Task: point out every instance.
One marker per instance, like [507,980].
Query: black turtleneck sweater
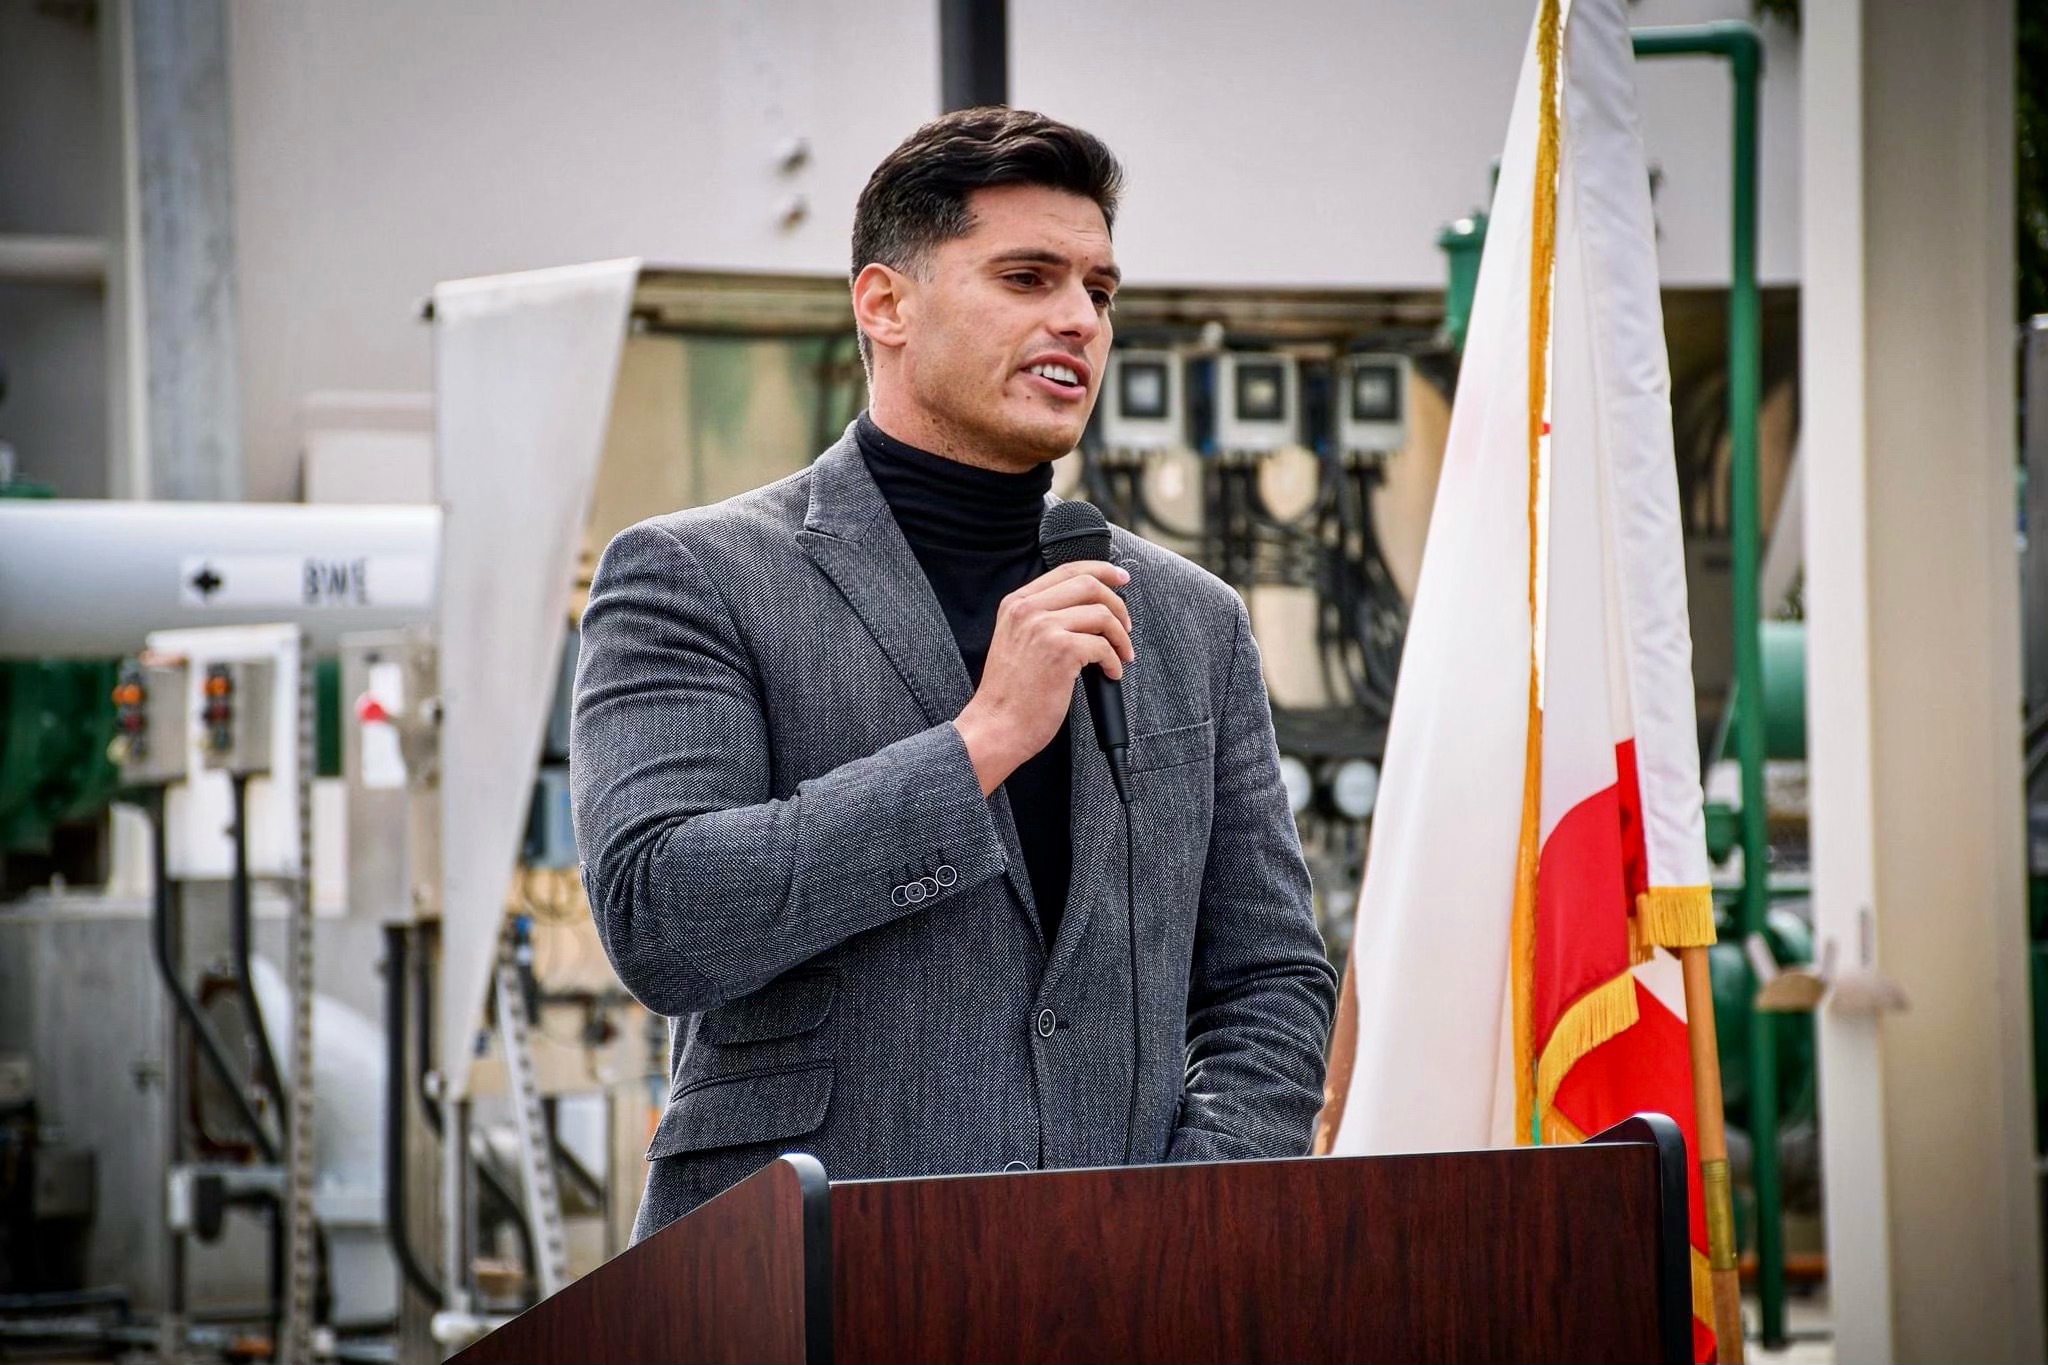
[975,534]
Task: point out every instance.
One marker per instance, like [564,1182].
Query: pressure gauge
[1355,787]
[1294,775]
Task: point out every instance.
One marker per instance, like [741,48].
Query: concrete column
[175,118]
[1913,677]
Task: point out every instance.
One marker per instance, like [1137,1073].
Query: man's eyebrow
[1039,256]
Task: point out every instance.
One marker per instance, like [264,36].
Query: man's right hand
[1046,633]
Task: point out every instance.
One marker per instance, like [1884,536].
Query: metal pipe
[395,1114]
[239,905]
[974,53]
[44,259]
[276,1313]
[1742,46]
[456,1204]
[91,579]
[188,1009]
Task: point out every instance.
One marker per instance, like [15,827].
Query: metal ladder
[536,1151]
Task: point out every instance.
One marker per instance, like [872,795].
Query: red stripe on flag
[1582,905]
[1635,855]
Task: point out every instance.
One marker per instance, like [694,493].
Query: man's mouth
[1063,379]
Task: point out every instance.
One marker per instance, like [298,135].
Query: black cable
[1137,1000]
[395,1107]
[423,1013]
[188,1009]
[252,1008]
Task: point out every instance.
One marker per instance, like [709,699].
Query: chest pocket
[1173,748]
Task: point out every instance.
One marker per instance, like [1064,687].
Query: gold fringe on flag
[1640,950]
[1609,1008]
[1675,917]
[1542,260]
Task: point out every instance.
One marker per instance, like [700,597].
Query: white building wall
[1328,141]
[381,147]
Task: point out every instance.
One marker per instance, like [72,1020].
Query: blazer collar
[849,533]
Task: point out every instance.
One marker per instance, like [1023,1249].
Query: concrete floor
[1809,1322]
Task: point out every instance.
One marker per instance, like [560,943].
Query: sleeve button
[945,874]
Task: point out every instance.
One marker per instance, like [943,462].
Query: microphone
[1070,531]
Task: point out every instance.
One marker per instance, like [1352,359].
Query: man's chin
[1042,441]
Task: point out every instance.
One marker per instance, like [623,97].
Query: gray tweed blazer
[787,853]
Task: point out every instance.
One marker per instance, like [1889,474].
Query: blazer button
[945,874]
[930,885]
[900,897]
[1047,1022]
[1012,1167]
[914,890]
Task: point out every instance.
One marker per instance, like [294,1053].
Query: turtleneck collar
[947,505]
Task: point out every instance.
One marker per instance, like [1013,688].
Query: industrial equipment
[350,724]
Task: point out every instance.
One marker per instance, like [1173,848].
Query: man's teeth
[1059,374]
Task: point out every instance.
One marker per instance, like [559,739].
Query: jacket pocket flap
[758,1106]
[1170,748]
[781,1009]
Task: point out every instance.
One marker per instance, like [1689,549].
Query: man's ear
[881,298]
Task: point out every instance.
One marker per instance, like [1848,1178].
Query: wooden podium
[1535,1254]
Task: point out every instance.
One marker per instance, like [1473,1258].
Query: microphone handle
[1106,708]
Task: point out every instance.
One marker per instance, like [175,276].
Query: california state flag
[1539,847]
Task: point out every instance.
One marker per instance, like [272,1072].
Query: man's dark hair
[917,197]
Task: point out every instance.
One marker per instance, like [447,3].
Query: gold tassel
[1676,916]
[1640,950]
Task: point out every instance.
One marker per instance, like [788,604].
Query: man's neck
[914,426]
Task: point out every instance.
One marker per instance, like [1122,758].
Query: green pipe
[1741,45]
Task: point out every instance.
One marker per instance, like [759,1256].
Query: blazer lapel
[850,534]
[1097,830]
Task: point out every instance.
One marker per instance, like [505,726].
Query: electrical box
[390,767]
[198,809]
[1143,403]
[1372,404]
[150,722]
[1258,402]
[237,699]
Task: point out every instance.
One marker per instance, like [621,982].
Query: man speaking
[848,818]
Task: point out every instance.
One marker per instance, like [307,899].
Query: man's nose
[1075,315]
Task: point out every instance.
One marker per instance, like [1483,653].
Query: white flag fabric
[1539,843]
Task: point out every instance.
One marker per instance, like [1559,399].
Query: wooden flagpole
[1713,1154]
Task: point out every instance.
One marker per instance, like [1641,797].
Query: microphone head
[1070,531]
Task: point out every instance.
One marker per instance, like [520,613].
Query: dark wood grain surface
[726,1283]
[1485,1256]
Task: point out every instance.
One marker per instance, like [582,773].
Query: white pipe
[52,260]
[83,579]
